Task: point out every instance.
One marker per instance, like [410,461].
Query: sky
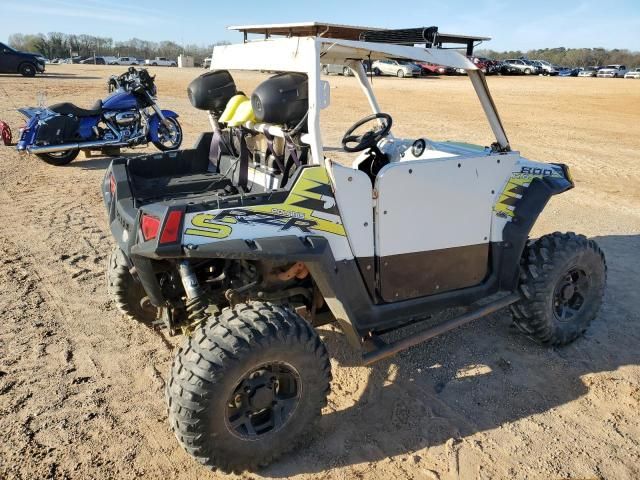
[513,25]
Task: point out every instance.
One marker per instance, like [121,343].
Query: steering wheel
[370,138]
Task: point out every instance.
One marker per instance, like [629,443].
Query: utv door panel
[418,274]
[433,223]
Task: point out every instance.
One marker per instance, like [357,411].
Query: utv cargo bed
[172,175]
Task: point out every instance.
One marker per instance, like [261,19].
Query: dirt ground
[81,386]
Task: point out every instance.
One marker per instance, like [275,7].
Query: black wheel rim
[570,294]
[263,401]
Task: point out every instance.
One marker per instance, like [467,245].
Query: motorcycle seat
[67,108]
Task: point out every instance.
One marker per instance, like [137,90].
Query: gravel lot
[81,387]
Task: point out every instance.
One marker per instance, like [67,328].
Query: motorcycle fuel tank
[119,100]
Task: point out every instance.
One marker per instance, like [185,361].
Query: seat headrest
[238,111]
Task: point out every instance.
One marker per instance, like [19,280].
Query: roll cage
[303,51]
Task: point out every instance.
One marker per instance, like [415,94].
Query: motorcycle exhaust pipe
[35,149]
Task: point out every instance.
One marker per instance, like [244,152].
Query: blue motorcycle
[128,117]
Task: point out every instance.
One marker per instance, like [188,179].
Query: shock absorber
[196,304]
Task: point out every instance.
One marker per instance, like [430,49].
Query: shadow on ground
[422,397]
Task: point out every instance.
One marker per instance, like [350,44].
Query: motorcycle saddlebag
[58,129]
[212,91]
[282,99]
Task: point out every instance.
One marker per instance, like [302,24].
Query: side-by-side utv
[252,239]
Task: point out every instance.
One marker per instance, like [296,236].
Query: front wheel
[377,72]
[346,71]
[246,386]
[527,71]
[27,70]
[169,137]
[400,74]
[562,280]
[59,158]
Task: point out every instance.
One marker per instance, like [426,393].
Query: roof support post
[315,90]
[357,67]
[482,90]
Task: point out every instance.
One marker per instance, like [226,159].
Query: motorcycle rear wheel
[59,158]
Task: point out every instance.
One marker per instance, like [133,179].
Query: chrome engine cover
[127,118]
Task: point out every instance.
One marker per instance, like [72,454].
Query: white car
[521,65]
[546,67]
[398,68]
[588,72]
[161,62]
[612,71]
[635,73]
[125,61]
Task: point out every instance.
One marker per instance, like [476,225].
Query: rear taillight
[170,232]
[149,226]
[112,184]
[171,227]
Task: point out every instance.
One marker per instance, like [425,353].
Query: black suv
[27,64]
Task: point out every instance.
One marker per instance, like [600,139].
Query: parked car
[612,71]
[545,67]
[94,61]
[336,68]
[398,68]
[427,68]
[206,63]
[569,72]
[635,73]
[519,65]
[125,61]
[26,64]
[161,62]
[589,71]
[487,65]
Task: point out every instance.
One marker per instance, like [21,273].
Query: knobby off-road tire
[562,280]
[126,292]
[224,369]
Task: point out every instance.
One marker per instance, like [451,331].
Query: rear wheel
[127,293]
[246,386]
[346,71]
[527,71]
[377,72]
[27,70]
[562,280]
[59,158]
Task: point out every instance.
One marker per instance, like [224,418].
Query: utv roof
[429,36]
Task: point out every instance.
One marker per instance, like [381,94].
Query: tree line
[62,45]
[571,57]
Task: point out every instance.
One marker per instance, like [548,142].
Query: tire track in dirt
[90,346]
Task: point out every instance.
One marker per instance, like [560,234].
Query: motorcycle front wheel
[169,138]
[59,158]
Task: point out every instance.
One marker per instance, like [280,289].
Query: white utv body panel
[438,203]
